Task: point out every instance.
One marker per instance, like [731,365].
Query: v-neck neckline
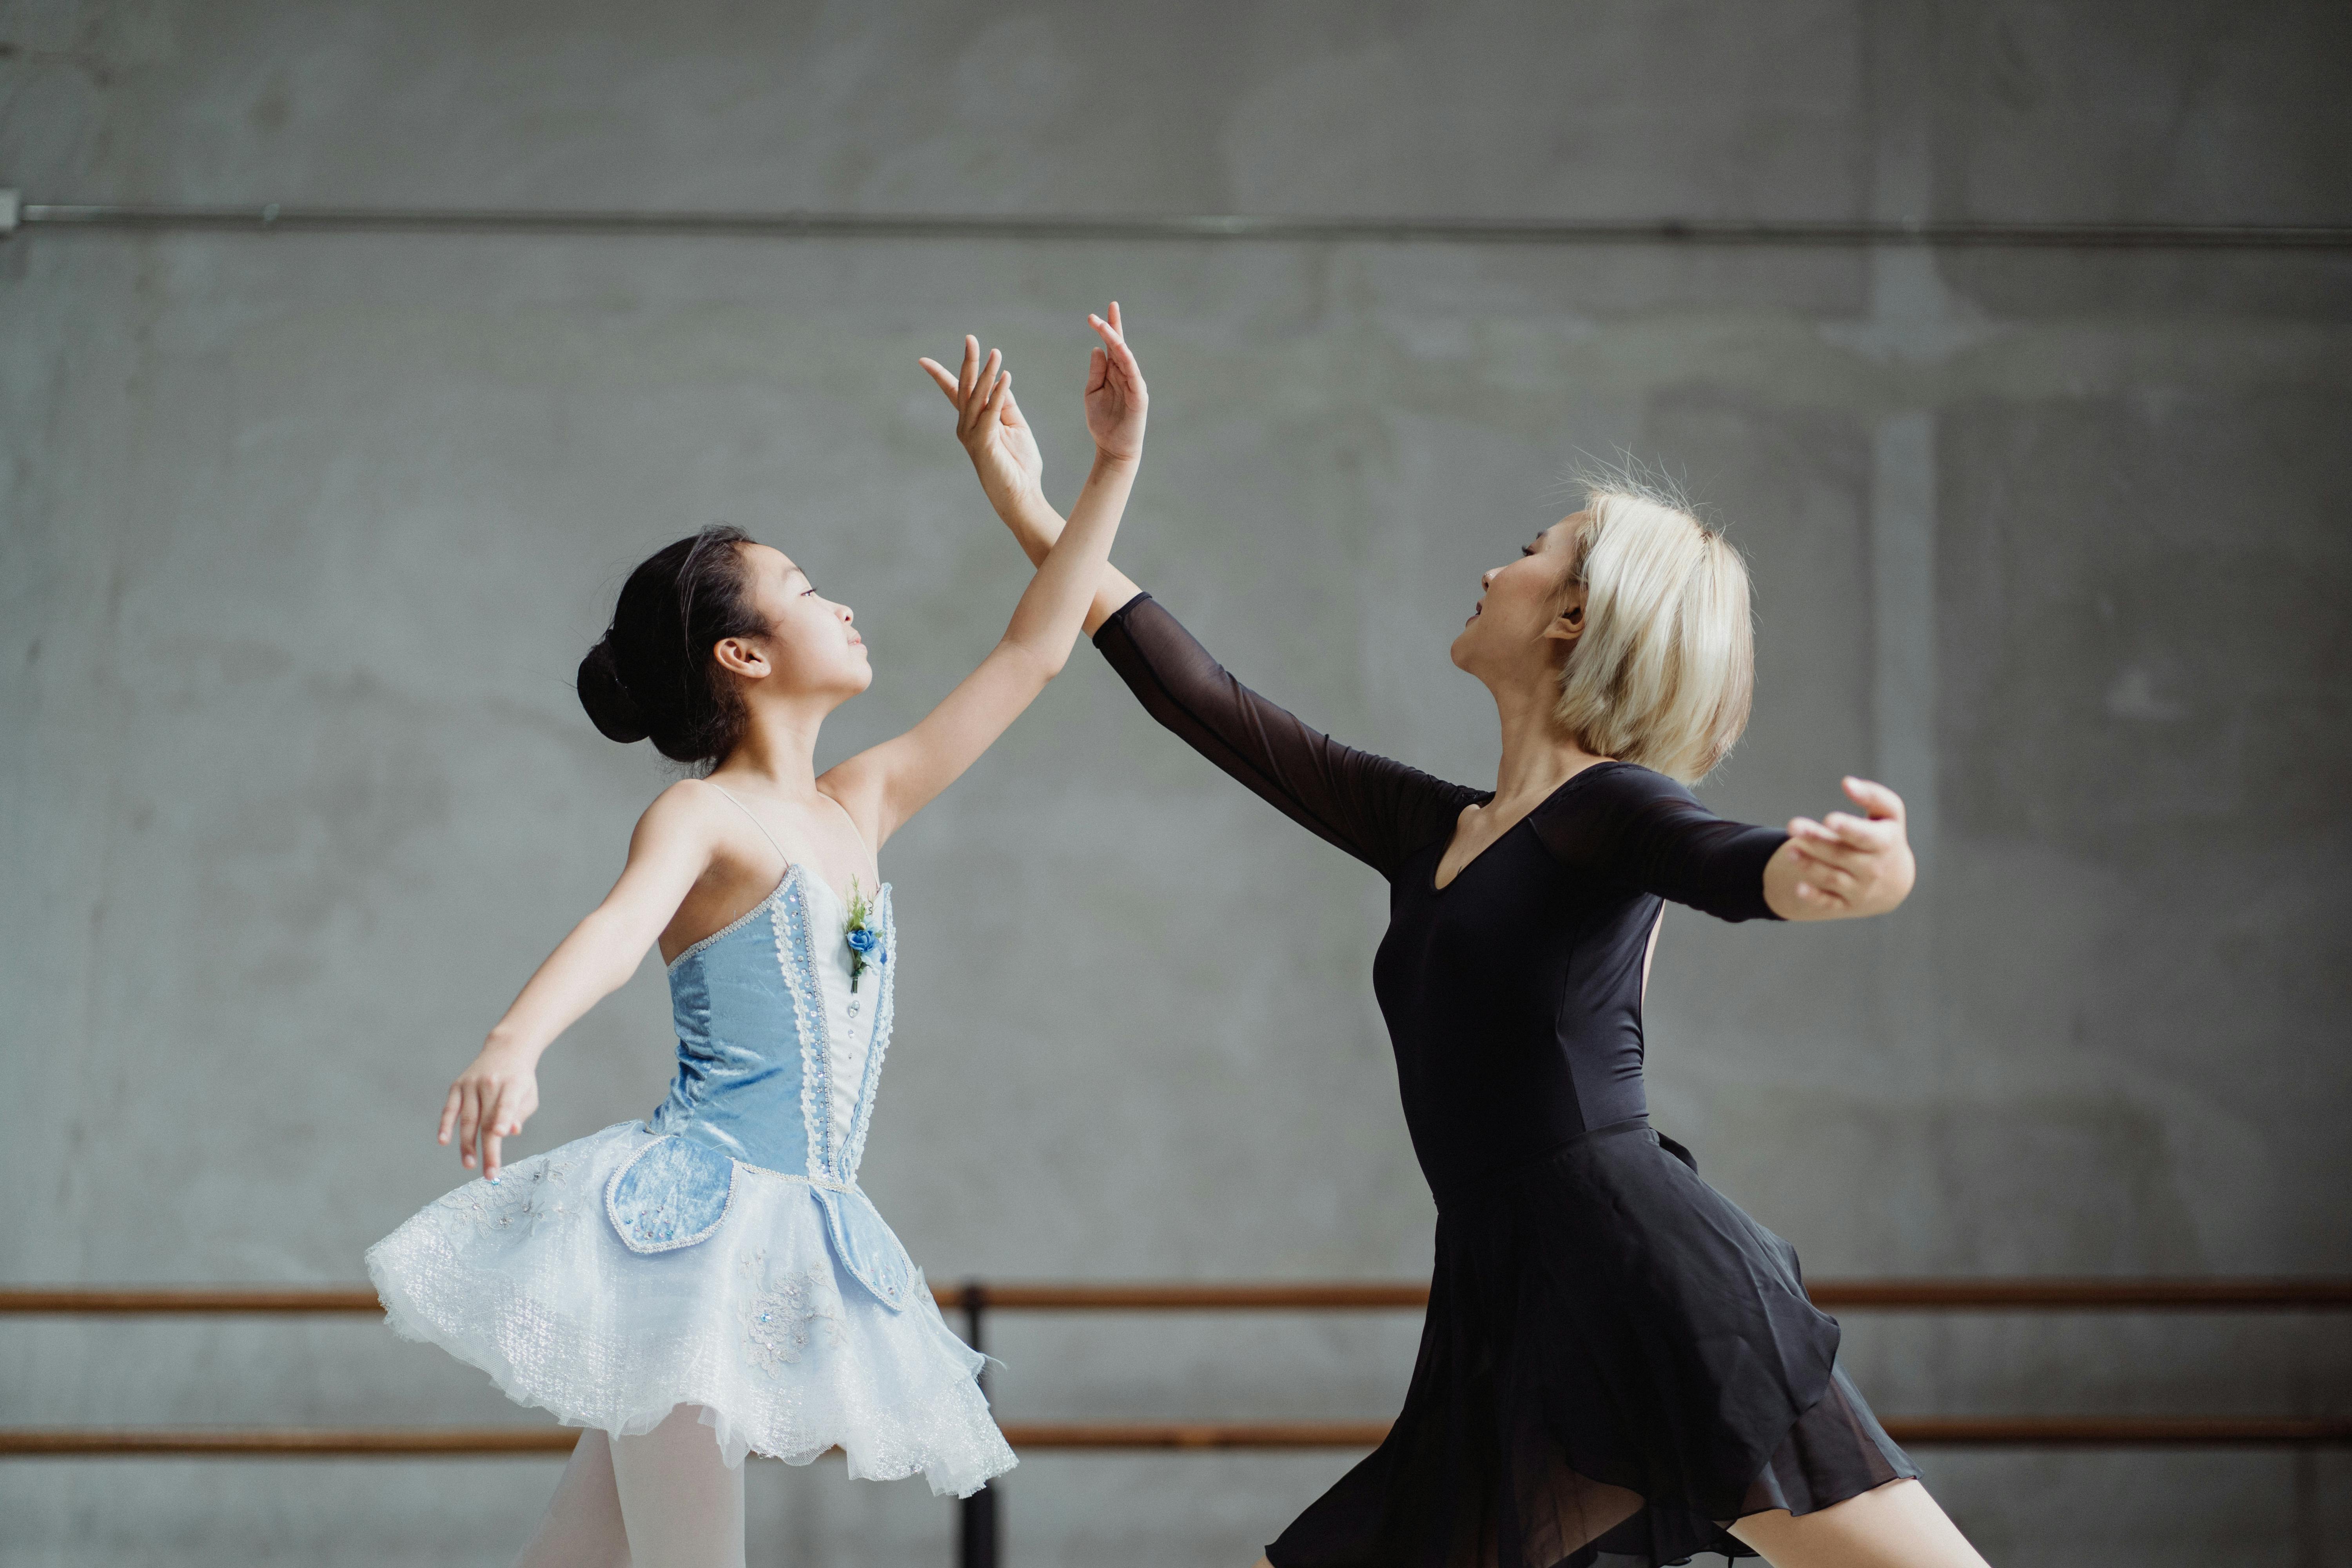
[1439,890]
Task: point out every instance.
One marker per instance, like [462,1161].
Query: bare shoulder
[688,810]
[857,786]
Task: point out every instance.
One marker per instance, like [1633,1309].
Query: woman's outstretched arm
[888,783]
[1641,829]
[1375,809]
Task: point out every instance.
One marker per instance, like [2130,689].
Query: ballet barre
[2063,1294]
[977,1528]
[1125,1437]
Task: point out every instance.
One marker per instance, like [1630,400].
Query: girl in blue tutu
[710,1281]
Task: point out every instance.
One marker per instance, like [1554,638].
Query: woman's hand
[1116,398]
[490,1101]
[1002,448]
[1843,867]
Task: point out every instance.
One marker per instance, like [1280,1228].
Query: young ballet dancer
[710,1281]
[1619,1368]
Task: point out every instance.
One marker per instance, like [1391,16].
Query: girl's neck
[778,748]
[1538,755]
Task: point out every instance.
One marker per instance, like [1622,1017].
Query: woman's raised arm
[887,783]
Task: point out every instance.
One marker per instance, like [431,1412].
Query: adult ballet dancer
[712,1281]
[1619,1368]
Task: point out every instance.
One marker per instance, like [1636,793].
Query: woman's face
[812,644]
[1528,613]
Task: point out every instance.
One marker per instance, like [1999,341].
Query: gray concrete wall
[302,537]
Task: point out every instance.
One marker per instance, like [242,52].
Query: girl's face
[1528,615]
[812,645]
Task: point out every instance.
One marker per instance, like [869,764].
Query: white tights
[667,1500]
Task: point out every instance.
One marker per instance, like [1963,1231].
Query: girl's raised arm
[497,1093]
[888,783]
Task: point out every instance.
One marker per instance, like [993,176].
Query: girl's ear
[737,657]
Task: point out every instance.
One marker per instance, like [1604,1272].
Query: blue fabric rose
[864,940]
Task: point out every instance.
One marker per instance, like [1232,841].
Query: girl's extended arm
[888,783]
[494,1095]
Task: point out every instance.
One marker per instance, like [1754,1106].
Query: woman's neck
[1538,755]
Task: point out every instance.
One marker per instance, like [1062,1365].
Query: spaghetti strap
[756,823]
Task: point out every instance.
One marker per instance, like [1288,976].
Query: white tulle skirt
[785,1351]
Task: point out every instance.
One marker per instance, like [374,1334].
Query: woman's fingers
[970,371]
[1818,898]
[1829,875]
[1871,838]
[983,389]
[1819,842]
[448,1115]
[1881,803]
[938,374]
[993,411]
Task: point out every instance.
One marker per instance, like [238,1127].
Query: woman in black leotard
[1619,1368]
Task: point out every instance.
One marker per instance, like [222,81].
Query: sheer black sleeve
[1643,829]
[1377,810]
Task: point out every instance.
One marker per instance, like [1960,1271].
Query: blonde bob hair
[1665,671]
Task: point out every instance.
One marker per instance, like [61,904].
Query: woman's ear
[737,657]
[1569,625]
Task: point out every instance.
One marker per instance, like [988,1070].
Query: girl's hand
[1003,449]
[1845,867]
[490,1101]
[1116,396]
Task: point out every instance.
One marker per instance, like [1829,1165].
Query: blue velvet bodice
[777,1056]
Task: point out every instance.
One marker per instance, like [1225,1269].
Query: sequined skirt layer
[786,1352]
[1616,1364]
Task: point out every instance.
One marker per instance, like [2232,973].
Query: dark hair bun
[606,696]
[652,674]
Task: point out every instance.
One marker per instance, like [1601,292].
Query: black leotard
[1616,1358]
[1513,994]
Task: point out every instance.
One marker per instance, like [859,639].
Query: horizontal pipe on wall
[1945,1295]
[67,217]
[452,1442]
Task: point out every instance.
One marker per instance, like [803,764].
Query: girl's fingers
[448,1116]
[1097,370]
[1012,414]
[494,1105]
[470,1119]
[1116,324]
[969,372]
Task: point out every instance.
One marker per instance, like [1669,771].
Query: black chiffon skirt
[1616,1364]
